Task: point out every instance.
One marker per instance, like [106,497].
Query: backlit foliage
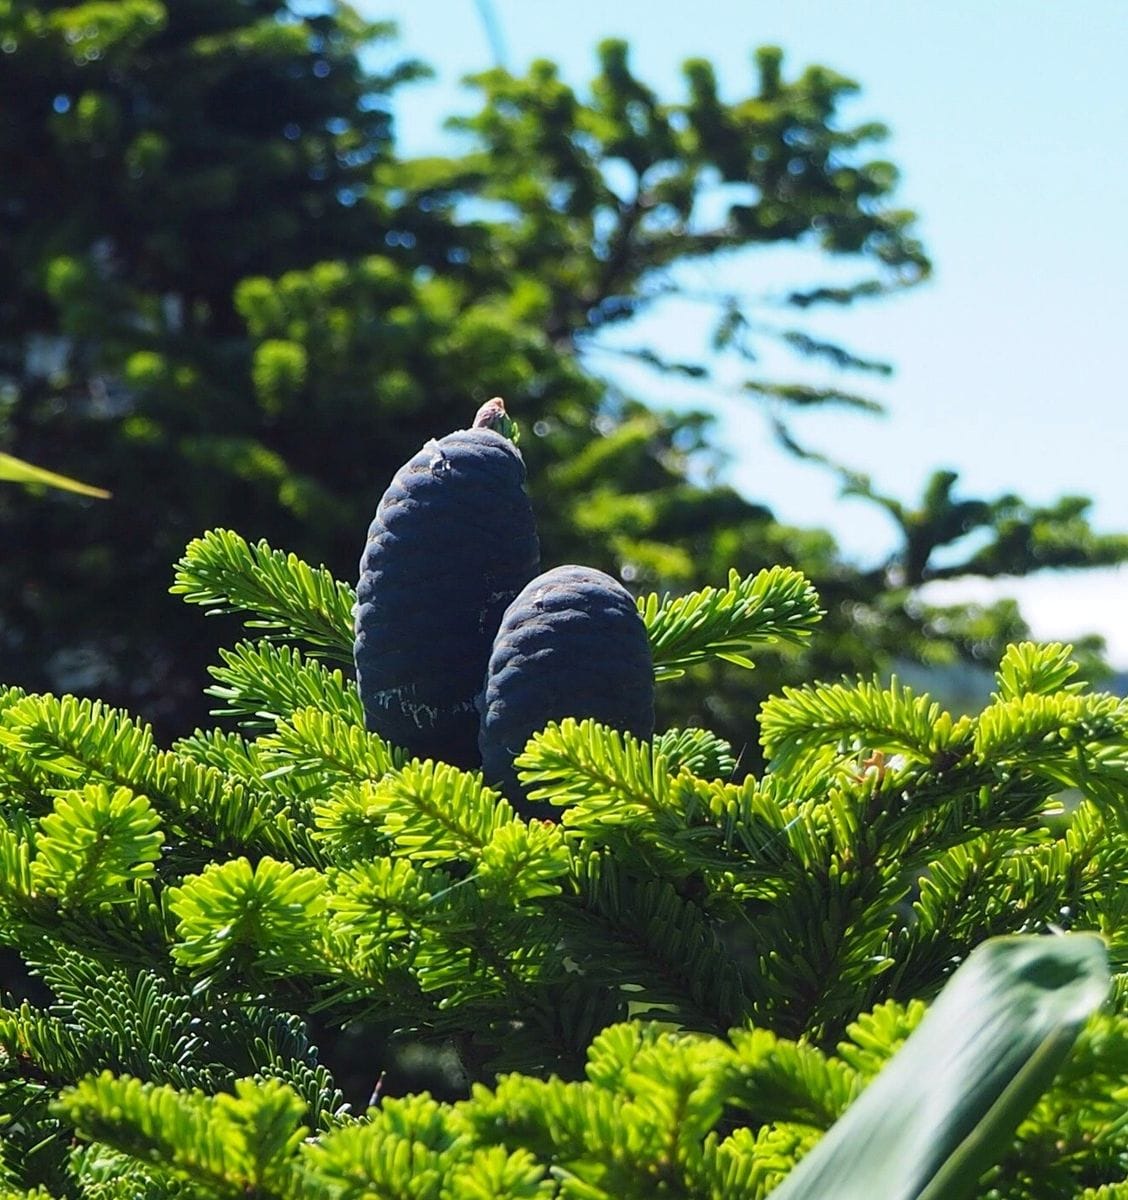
[673,989]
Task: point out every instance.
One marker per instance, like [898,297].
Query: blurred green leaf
[15,470]
[946,1107]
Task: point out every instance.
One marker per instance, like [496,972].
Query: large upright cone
[572,644]
[452,542]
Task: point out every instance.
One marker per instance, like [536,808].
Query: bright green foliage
[280,590]
[283,593]
[675,989]
[1028,669]
[269,912]
[645,1119]
[797,725]
[233,1144]
[255,673]
[94,844]
[697,750]
[774,605]
[57,740]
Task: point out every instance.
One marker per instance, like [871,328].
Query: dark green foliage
[1020,534]
[453,541]
[133,209]
[683,981]
[571,644]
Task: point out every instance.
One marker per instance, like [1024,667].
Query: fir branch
[35,1143]
[17,845]
[382,904]
[66,738]
[698,751]
[100,1173]
[378,911]
[261,683]
[326,749]
[607,1142]
[665,890]
[1108,1191]
[349,829]
[873,1039]
[1041,669]
[620,792]
[567,1012]
[1033,728]
[132,930]
[752,1164]
[109,1018]
[43,1045]
[138,1023]
[838,356]
[435,813]
[70,740]
[407,1145]
[659,948]
[132,1020]
[234,918]
[478,961]
[94,845]
[916,814]
[454,936]
[644,1120]
[522,863]
[814,955]
[232,1145]
[1099,898]
[832,723]
[1076,741]
[250,764]
[499,1174]
[775,605]
[964,898]
[287,596]
[573,762]
[772,1079]
[1079,1127]
[803,395]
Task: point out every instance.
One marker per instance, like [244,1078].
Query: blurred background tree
[224,296]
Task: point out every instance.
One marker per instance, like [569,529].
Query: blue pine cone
[572,644]
[452,542]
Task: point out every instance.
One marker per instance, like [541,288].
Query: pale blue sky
[1008,120]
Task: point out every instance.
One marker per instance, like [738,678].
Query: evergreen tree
[239,944]
[234,304]
[155,154]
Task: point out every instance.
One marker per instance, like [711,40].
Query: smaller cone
[572,644]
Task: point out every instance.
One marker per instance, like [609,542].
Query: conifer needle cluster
[673,989]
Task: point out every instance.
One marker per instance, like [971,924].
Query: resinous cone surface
[572,644]
[453,541]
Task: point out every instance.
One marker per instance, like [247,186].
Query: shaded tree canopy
[227,298]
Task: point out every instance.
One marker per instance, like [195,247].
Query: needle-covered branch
[279,592]
[775,605]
